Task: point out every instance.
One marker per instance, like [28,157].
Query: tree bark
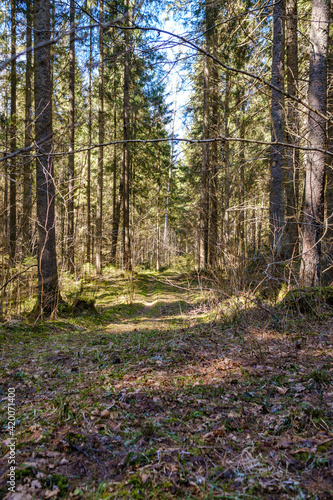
[171,161]
[5,190]
[328,241]
[204,214]
[13,142]
[99,207]
[126,159]
[116,200]
[292,132]
[277,133]
[27,174]
[88,249]
[48,291]
[71,140]
[215,98]
[316,137]
[226,196]
[241,235]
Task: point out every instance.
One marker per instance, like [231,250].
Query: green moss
[26,472]
[308,300]
[57,480]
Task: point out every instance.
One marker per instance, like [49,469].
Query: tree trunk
[99,207]
[5,190]
[213,226]
[13,132]
[226,227]
[328,261]
[88,249]
[116,199]
[48,292]
[317,138]
[71,138]
[241,235]
[27,175]
[292,175]
[167,203]
[277,133]
[158,241]
[204,222]
[126,159]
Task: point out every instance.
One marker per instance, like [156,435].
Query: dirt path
[156,398]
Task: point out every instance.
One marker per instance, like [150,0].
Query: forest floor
[162,394]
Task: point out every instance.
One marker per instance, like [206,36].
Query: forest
[166,238]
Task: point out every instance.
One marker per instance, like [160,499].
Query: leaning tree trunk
[71,131]
[99,206]
[13,132]
[48,292]
[27,177]
[292,132]
[317,138]
[277,133]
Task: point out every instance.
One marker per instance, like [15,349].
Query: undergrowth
[169,391]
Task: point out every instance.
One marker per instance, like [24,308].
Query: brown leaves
[36,433]
[281,390]
[186,402]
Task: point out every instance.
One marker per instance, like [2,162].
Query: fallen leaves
[281,390]
[105,414]
[182,413]
[36,433]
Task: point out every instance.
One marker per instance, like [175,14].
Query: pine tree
[48,292]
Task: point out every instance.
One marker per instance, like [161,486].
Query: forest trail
[162,396]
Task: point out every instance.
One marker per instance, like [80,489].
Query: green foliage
[59,481]
[308,300]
